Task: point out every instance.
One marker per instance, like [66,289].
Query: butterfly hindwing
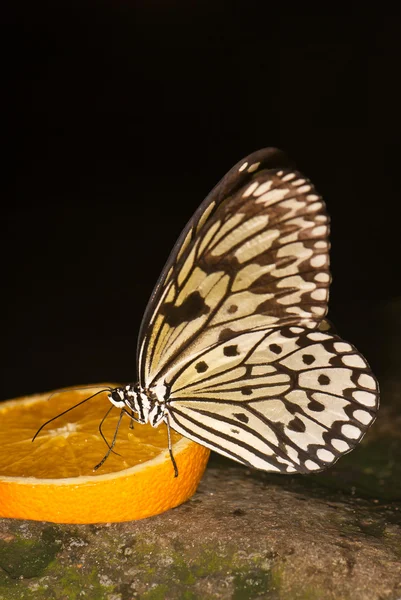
[287,400]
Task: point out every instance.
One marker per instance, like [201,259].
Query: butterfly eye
[116,397]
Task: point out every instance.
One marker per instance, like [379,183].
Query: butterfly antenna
[77,389]
[113,442]
[68,410]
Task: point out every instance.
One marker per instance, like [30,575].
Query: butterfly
[234,351]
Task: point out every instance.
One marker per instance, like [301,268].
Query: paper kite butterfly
[234,351]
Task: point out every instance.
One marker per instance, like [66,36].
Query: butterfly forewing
[255,258]
[235,178]
[235,329]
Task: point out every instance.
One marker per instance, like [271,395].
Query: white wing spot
[320,230]
[367,381]
[272,196]
[294,310]
[293,454]
[322,277]
[299,182]
[243,166]
[353,360]
[320,244]
[318,310]
[311,465]
[312,197]
[250,189]
[318,261]
[325,455]
[304,189]
[362,416]
[319,294]
[314,208]
[253,167]
[342,347]
[365,398]
[289,176]
[340,445]
[350,431]
[264,187]
[318,336]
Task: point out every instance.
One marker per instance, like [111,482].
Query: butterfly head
[117,397]
[132,400]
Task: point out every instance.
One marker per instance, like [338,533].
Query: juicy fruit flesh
[71,445]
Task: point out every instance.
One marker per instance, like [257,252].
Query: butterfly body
[234,350]
[144,406]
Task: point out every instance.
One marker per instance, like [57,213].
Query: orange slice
[52,478]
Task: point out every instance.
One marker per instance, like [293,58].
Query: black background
[119,120]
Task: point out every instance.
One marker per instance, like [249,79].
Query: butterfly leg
[113,442]
[101,432]
[170,449]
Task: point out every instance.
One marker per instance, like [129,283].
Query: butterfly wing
[287,400]
[236,329]
[254,255]
[267,158]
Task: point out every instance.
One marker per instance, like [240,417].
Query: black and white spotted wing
[285,400]
[235,329]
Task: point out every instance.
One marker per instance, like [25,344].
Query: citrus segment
[52,478]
